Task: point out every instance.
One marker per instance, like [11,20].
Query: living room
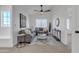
[39,21]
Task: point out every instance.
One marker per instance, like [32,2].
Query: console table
[57,34]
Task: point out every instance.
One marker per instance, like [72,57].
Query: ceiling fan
[42,11]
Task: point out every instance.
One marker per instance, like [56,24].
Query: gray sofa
[27,37]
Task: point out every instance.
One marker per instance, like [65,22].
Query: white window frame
[7,22]
[41,23]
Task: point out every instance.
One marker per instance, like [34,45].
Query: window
[41,22]
[68,24]
[5,19]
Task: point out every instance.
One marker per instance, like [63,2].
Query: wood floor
[39,47]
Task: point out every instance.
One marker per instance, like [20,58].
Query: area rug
[50,41]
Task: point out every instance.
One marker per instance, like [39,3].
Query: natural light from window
[5,19]
[41,22]
[68,24]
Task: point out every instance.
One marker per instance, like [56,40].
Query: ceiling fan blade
[47,10]
[37,10]
[42,9]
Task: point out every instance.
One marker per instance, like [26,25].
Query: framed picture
[22,21]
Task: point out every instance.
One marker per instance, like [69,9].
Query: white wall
[63,12]
[75,41]
[16,21]
[5,33]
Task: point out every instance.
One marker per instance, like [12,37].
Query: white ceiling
[30,8]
